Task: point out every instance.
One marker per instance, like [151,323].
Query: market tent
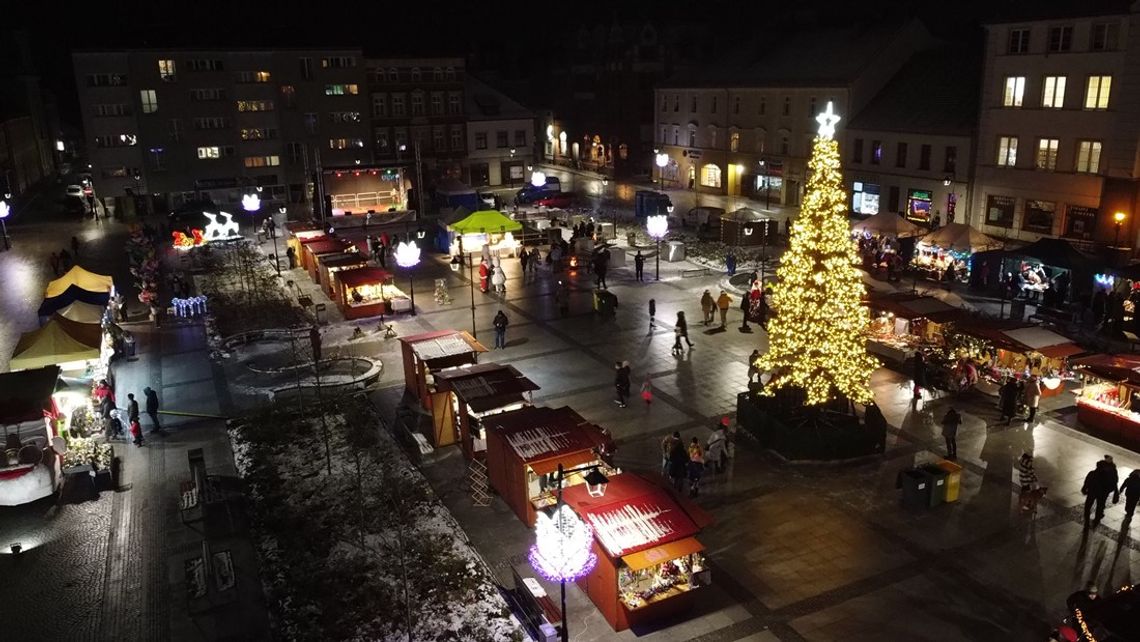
[961,238]
[26,395]
[81,278]
[1055,252]
[485,221]
[52,344]
[887,224]
[1046,342]
[71,295]
[81,312]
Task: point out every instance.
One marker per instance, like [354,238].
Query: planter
[806,433]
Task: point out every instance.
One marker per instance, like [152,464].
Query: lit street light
[657,226]
[1119,218]
[408,256]
[662,160]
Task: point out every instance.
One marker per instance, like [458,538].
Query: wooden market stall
[953,244]
[649,560]
[368,292]
[747,227]
[902,323]
[1011,348]
[476,393]
[426,354]
[299,231]
[301,239]
[1108,403]
[320,247]
[330,264]
[525,448]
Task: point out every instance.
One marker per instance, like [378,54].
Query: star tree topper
[827,121]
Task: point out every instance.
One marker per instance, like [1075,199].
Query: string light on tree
[816,339]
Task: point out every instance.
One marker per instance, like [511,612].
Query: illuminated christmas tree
[816,339]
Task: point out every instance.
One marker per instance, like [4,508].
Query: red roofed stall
[430,353]
[474,395]
[368,292]
[1109,401]
[326,246]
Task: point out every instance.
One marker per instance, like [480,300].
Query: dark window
[857,151]
[1018,41]
[924,157]
[893,199]
[1060,39]
[951,164]
[900,155]
[1105,37]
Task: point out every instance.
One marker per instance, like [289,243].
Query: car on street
[559,200]
[532,193]
[75,190]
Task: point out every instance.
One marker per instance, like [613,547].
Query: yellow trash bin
[953,479]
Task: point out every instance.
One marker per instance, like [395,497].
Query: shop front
[650,565]
[1108,404]
[1080,223]
[525,447]
[474,395]
[432,352]
[368,292]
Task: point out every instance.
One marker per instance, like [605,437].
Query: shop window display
[638,588]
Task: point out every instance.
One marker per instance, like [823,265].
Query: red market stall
[325,246]
[305,238]
[1108,404]
[475,394]
[330,264]
[525,448]
[902,323]
[1012,348]
[432,352]
[368,292]
[650,563]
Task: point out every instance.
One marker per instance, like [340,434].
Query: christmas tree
[816,339]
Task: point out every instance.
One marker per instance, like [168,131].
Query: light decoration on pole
[190,307]
[538,178]
[662,159]
[561,552]
[816,337]
[657,226]
[408,256]
[251,202]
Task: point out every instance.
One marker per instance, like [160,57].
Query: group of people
[114,418]
[682,462]
[63,261]
[379,247]
[877,251]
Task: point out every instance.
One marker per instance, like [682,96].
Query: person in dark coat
[1007,398]
[1131,490]
[1096,490]
[950,423]
[682,328]
[621,382]
[1112,477]
[132,408]
[678,465]
[152,408]
[652,314]
[639,266]
[291,255]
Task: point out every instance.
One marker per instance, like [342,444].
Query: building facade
[1059,121]
[500,137]
[28,127]
[748,131]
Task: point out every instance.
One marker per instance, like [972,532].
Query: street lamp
[662,160]
[5,210]
[1119,218]
[563,542]
[657,226]
[408,256]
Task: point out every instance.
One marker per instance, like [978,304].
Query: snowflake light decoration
[657,226]
[407,254]
[562,550]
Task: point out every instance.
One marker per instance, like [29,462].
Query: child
[136,432]
[647,392]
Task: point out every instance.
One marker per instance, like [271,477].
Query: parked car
[532,193]
[75,190]
[559,200]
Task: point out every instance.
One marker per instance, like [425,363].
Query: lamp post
[1119,218]
[273,235]
[5,210]
[657,226]
[767,186]
[561,551]
[408,256]
[662,159]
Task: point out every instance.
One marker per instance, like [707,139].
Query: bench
[685,274]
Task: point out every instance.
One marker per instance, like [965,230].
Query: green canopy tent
[485,222]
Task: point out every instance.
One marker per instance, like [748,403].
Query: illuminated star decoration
[407,254]
[251,202]
[827,121]
[562,549]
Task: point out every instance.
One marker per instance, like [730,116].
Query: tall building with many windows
[1059,123]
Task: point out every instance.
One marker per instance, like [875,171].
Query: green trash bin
[937,477]
[915,486]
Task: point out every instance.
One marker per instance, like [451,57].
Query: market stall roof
[89,334]
[363,276]
[914,306]
[539,434]
[485,221]
[71,295]
[337,260]
[49,345]
[1114,367]
[301,226]
[887,224]
[1041,340]
[80,278]
[744,215]
[313,236]
[440,344]
[328,246]
[83,312]
[488,385]
[1057,253]
[25,395]
[632,516]
[961,238]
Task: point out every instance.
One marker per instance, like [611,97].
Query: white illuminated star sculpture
[827,121]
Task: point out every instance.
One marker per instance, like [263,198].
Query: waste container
[915,489]
[953,479]
[676,252]
[937,478]
[605,303]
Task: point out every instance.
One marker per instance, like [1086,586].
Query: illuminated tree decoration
[816,339]
[562,552]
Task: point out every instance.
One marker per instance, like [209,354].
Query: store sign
[1080,223]
[1039,216]
[865,198]
[918,205]
[999,210]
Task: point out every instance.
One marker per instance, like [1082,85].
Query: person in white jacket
[716,449]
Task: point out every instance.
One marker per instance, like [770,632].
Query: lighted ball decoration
[562,552]
[657,226]
[407,254]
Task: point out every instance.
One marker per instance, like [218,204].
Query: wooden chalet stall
[1009,348]
[650,563]
[302,234]
[432,352]
[367,292]
[902,323]
[525,447]
[1108,404]
[325,247]
[329,264]
[476,393]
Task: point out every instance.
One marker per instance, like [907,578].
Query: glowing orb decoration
[407,254]
[220,230]
[657,226]
[1052,383]
[251,202]
[5,210]
[827,121]
[662,159]
[537,178]
[562,550]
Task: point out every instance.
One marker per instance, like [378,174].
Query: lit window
[342,90]
[255,105]
[1053,95]
[1088,156]
[710,175]
[262,161]
[1047,153]
[734,142]
[876,152]
[1014,91]
[1096,92]
[149,101]
[209,152]
[166,70]
[1007,151]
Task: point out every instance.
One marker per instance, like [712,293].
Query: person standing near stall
[950,423]
[1033,395]
[723,302]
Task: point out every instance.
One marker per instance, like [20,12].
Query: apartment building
[1059,122]
[187,124]
[500,136]
[746,129]
[909,150]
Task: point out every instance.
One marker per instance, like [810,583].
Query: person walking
[639,266]
[1033,396]
[152,408]
[682,328]
[696,466]
[524,258]
[678,464]
[753,369]
[666,449]
[745,308]
[723,302]
[647,392]
[562,298]
[1026,474]
[708,308]
[1112,477]
[621,382]
[950,423]
[717,446]
[132,408]
[652,314]
[1096,490]
[500,322]
[75,246]
[291,255]
[1131,490]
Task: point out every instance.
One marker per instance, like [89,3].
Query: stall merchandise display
[645,586]
[934,261]
[83,451]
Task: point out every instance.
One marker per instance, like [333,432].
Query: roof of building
[936,92]
[1055,9]
[487,103]
[828,57]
